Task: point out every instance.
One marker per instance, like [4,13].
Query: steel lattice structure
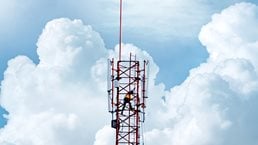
[126,94]
[126,76]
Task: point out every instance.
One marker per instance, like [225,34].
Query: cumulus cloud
[216,103]
[105,136]
[62,99]
[55,101]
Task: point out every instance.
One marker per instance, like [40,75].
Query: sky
[203,60]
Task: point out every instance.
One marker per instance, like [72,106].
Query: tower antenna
[127,92]
[120,28]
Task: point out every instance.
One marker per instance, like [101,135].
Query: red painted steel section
[129,82]
[127,75]
[117,105]
[137,109]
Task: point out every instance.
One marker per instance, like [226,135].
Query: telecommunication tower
[127,92]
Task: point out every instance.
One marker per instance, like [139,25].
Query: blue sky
[169,35]
[22,23]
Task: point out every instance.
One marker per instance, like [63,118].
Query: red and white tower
[127,85]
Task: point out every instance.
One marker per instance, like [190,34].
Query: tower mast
[127,94]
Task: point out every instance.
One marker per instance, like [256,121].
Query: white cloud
[61,100]
[55,101]
[215,104]
[105,136]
